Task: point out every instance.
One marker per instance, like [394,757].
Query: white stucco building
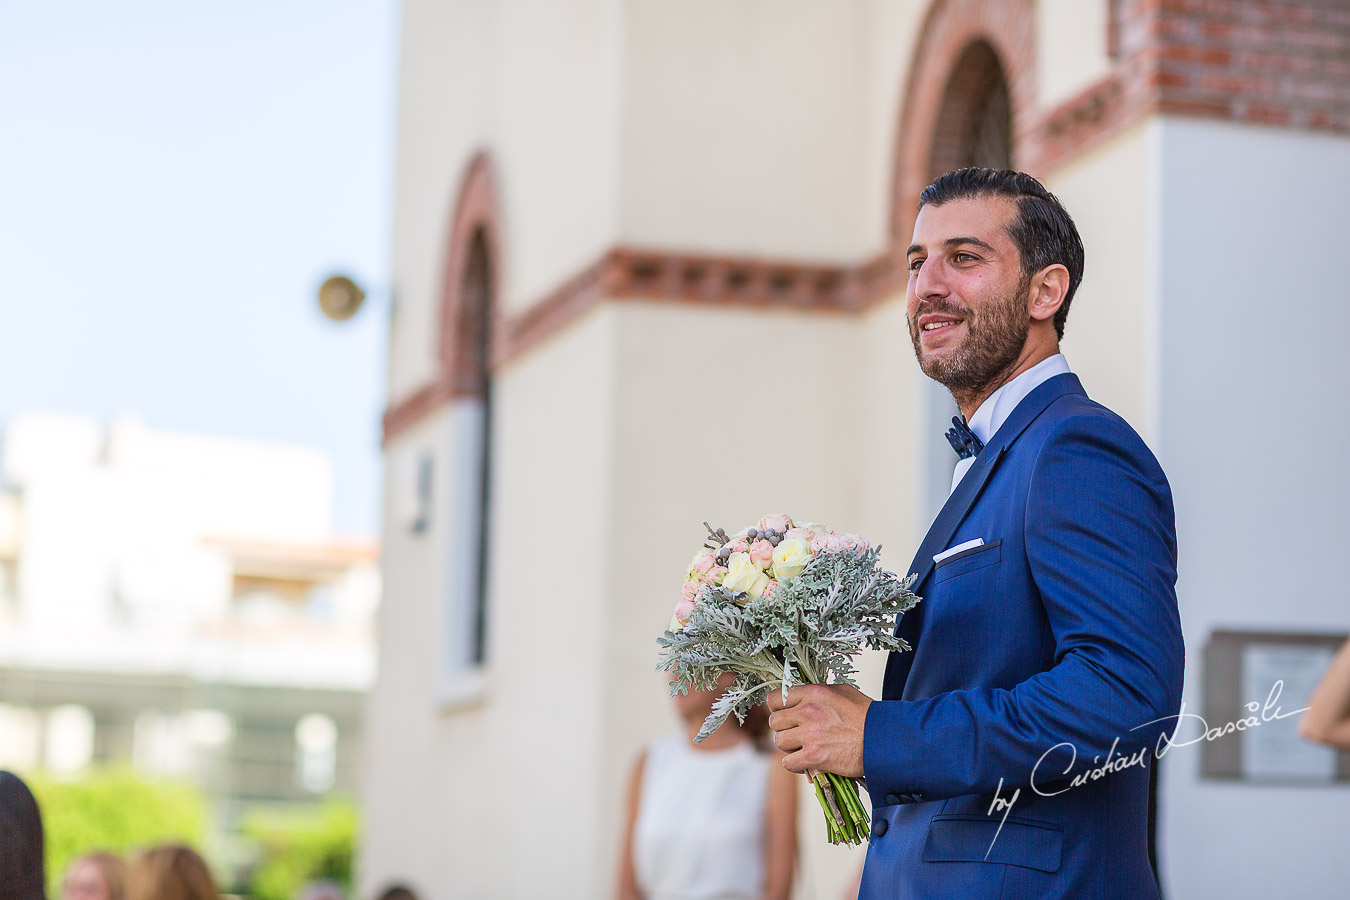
[648,260]
[180,603]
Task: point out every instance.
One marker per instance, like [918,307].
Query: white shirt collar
[996,408]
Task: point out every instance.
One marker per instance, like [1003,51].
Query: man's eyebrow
[953,242]
[973,241]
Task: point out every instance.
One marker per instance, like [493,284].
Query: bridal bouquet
[781,604]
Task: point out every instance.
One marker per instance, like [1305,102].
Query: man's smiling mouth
[930,324]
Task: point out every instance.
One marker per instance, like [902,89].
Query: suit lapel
[954,511]
[968,491]
[956,508]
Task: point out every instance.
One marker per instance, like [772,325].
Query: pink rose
[761,554]
[682,611]
[826,540]
[689,592]
[704,562]
[740,545]
[715,575]
[775,522]
[851,540]
[768,591]
[801,534]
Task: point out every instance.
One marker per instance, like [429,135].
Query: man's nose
[928,282]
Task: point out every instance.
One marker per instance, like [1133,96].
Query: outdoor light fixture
[340,298]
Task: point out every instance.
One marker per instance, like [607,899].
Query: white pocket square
[952,551]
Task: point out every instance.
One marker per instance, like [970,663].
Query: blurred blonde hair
[113,869]
[170,872]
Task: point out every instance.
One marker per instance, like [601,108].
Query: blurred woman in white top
[709,821]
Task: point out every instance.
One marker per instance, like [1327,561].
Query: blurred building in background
[178,603]
[649,262]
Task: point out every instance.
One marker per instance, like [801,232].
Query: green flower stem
[846,820]
[826,788]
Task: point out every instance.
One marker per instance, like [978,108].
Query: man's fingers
[821,728]
[783,719]
[775,699]
[793,763]
[788,741]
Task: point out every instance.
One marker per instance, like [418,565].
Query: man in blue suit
[1009,753]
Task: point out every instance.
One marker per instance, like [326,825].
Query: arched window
[974,124]
[475,346]
[468,314]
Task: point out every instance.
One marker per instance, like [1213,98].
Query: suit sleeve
[1100,542]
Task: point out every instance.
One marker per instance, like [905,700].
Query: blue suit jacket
[1062,629]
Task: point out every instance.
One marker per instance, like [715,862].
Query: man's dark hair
[1043,230]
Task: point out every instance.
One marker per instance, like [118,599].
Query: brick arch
[939,92]
[473,269]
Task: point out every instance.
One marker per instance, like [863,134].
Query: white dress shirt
[996,408]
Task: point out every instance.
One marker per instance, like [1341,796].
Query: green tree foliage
[115,810]
[302,846]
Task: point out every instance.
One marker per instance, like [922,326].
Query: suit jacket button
[880,828]
[892,799]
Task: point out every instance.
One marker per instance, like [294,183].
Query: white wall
[1256,311]
[536,85]
[555,131]
[454,792]
[763,127]
[891,36]
[446,77]
[1109,331]
[1071,51]
[743,126]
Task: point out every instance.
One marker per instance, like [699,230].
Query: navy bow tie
[962,439]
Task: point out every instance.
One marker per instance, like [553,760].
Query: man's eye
[914,264]
[964,257]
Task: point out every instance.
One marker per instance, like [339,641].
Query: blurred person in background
[170,872]
[96,876]
[713,819]
[322,890]
[1327,720]
[397,892]
[21,849]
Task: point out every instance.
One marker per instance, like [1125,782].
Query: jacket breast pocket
[1029,843]
[989,554]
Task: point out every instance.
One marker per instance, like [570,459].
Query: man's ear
[1049,287]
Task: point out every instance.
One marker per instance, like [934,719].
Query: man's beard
[994,341]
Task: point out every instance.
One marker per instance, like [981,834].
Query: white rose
[790,558]
[741,573]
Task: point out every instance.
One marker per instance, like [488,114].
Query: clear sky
[176,179]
